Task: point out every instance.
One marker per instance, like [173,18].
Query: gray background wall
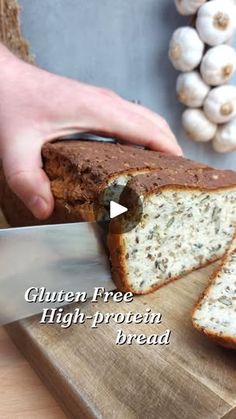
[120,44]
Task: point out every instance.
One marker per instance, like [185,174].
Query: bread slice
[79,171]
[215,313]
[188,221]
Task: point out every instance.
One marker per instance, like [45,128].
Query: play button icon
[116,209]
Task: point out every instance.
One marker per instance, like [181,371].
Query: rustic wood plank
[92,377]
[192,377]
[22,394]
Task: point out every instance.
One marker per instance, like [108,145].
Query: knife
[68,257]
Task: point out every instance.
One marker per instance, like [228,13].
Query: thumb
[22,166]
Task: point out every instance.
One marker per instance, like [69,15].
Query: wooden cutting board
[94,378]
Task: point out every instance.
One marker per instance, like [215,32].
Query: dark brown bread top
[204,178]
[106,158]
[78,170]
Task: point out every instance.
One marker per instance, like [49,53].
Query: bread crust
[17,215]
[202,179]
[78,172]
[224,340]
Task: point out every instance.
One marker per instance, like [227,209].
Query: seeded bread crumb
[215,313]
[188,221]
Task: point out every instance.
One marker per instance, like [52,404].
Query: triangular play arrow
[116,209]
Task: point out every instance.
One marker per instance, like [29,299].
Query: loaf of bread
[188,221]
[188,217]
[79,171]
[215,313]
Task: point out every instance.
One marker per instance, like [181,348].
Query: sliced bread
[188,221]
[188,215]
[215,313]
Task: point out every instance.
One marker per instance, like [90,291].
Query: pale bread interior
[216,312]
[180,230]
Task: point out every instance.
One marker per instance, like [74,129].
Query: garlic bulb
[191,89]
[186,49]
[188,7]
[216,21]
[218,65]
[225,139]
[197,126]
[220,104]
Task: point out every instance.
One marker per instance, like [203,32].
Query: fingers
[22,168]
[92,109]
[140,126]
[77,107]
[166,140]
[133,123]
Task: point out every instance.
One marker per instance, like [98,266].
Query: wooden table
[22,394]
[94,378]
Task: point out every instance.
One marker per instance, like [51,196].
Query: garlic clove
[218,65]
[225,138]
[188,7]
[220,104]
[191,89]
[216,21]
[197,126]
[185,49]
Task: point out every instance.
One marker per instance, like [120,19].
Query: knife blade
[68,257]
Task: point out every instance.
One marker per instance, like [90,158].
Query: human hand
[37,107]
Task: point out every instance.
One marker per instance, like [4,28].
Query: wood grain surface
[93,378]
[22,393]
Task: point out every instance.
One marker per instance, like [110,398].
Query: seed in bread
[215,313]
[188,221]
